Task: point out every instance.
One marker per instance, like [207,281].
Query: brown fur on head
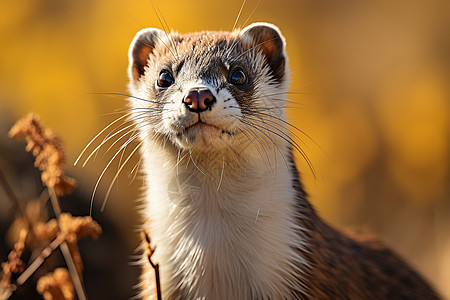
[152,43]
[207,60]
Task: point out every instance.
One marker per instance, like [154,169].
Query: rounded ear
[268,40]
[141,47]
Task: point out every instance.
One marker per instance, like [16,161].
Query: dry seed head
[74,228]
[46,231]
[34,216]
[79,226]
[70,229]
[56,285]
[47,148]
[14,264]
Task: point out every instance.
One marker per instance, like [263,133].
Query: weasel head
[209,91]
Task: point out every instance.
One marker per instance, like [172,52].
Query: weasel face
[198,108]
[209,90]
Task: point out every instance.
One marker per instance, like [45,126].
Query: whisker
[221,175]
[104,170]
[169,36]
[105,140]
[134,19]
[239,15]
[95,137]
[297,129]
[179,160]
[165,31]
[268,137]
[252,48]
[130,110]
[234,44]
[177,174]
[266,96]
[135,117]
[132,133]
[192,159]
[128,96]
[251,14]
[135,170]
[255,138]
[294,144]
[117,175]
[282,130]
[113,133]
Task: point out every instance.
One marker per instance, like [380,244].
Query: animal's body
[224,204]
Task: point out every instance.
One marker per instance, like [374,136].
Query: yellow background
[370,86]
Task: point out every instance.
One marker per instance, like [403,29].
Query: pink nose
[199,100]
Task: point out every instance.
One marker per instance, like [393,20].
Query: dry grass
[45,237]
[148,251]
[56,285]
[46,146]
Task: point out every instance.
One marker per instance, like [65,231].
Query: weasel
[224,204]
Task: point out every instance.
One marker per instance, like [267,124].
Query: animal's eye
[238,77]
[165,79]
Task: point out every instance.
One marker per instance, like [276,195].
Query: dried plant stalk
[149,252]
[14,265]
[38,261]
[69,229]
[47,148]
[66,230]
[74,228]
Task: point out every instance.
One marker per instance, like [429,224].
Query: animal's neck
[225,227]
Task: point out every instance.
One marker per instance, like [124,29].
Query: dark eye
[165,79]
[238,77]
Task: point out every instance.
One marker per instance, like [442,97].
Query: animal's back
[357,268]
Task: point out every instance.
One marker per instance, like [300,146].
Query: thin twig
[158,280]
[39,260]
[11,194]
[9,191]
[79,288]
[155,267]
[77,281]
[5,294]
[55,202]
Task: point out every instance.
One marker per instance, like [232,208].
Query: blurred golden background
[370,86]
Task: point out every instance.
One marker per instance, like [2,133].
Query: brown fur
[339,265]
[354,266]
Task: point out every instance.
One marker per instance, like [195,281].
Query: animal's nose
[198,100]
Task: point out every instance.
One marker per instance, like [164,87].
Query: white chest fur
[224,232]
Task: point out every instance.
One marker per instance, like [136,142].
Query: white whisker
[117,175]
[98,134]
[104,170]
[239,14]
[221,175]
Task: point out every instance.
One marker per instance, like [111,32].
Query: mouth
[204,129]
[201,126]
